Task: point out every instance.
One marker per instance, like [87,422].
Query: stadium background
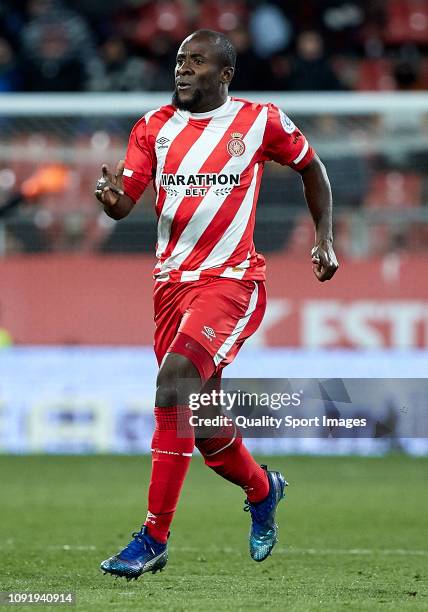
[77,371]
[75,76]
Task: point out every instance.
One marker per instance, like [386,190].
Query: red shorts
[207,320]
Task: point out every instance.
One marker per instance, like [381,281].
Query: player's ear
[227,74]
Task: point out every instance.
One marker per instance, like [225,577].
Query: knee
[166,392]
[176,379]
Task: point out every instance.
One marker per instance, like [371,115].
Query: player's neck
[206,107]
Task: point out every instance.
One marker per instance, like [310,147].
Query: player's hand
[324,260]
[110,187]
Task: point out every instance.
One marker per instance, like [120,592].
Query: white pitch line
[352,551]
[278,550]
[312,551]
[70,547]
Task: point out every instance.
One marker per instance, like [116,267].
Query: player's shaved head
[223,46]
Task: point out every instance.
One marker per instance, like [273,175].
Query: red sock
[226,454]
[172,448]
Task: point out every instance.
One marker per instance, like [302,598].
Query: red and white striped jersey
[207,169]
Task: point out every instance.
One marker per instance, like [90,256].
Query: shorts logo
[208,332]
[236,146]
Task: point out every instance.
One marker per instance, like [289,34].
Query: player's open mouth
[183,86]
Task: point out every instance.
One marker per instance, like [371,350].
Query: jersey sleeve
[139,162]
[284,142]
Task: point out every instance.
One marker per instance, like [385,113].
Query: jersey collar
[215,112]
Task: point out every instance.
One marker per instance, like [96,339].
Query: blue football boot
[264,530]
[142,554]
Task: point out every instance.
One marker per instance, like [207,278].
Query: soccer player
[205,153]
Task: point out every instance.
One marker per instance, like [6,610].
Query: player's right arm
[119,192]
[110,193]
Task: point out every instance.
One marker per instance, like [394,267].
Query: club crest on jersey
[236,145]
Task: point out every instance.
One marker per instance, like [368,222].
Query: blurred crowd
[377,163]
[130,45]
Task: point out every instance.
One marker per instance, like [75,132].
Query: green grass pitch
[353,535]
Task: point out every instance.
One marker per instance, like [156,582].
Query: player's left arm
[284,143]
[316,187]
